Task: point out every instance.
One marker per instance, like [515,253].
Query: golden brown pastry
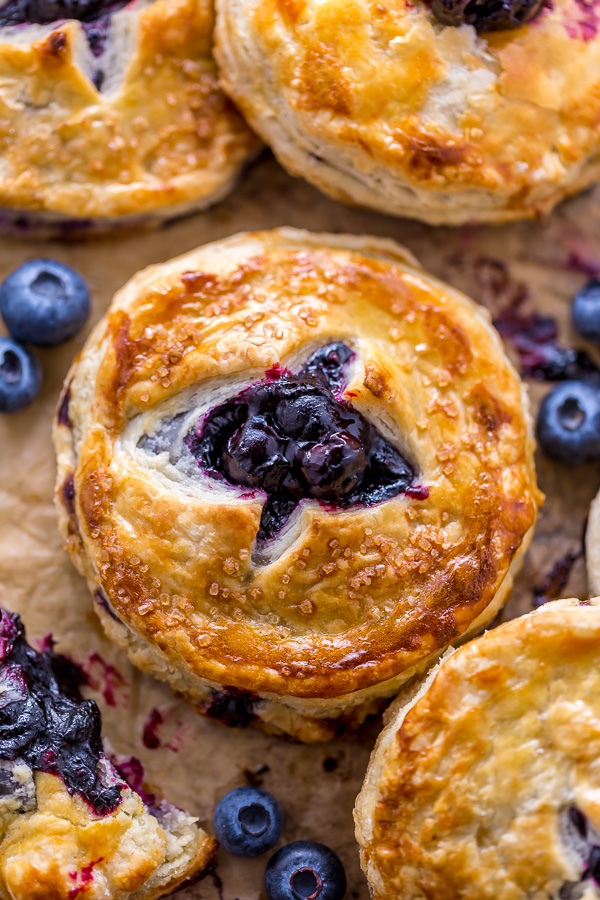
[70,825]
[293,468]
[112,118]
[387,105]
[484,783]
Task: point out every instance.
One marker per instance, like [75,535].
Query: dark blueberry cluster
[486,15]
[292,437]
[45,721]
[21,12]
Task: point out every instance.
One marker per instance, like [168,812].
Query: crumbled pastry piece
[385,106]
[294,468]
[68,822]
[112,118]
[484,782]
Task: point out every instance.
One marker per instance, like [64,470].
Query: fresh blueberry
[248,821]
[586,311]
[568,425]
[486,15]
[44,302]
[305,870]
[20,376]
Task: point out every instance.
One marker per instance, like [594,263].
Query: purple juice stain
[132,772]
[543,357]
[45,721]
[84,877]
[293,437]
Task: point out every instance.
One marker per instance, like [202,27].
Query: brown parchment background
[315,785]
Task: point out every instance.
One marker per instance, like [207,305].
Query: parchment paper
[197,761]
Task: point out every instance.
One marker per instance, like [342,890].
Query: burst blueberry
[293,437]
[248,821]
[20,376]
[486,15]
[568,425]
[44,302]
[586,311]
[305,870]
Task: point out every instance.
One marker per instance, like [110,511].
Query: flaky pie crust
[380,105]
[351,601]
[61,849]
[159,141]
[469,788]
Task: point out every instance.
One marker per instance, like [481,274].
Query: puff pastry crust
[380,105]
[485,782]
[57,848]
[347,603]
[155,139]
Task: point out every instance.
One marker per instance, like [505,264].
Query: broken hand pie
[447,111]
[485,781]
[111,115]
[69,824]
[293,468]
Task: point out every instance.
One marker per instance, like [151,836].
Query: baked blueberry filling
[45,721]
[486,15]
[293,437]
[22,12]
[232,706]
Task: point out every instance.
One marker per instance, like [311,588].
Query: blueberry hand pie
[448,111]
[69,824]
[293,468]
[485,782]
[110,114]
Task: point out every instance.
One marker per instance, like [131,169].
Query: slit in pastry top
[294,437]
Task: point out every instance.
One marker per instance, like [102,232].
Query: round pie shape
[117,121]
[308,631]
[381,105]
[484,782]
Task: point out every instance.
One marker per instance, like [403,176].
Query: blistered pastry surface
[470,792]
[380,104]
[155,135]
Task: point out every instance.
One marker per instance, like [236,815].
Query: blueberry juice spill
[543,357]
[45,721]
[294,438]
